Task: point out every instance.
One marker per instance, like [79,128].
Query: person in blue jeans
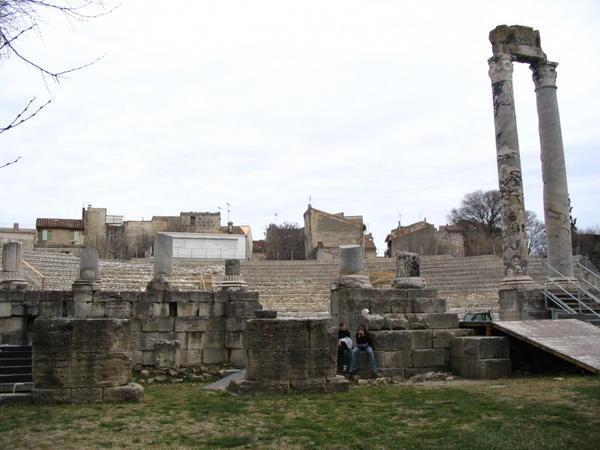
[363,344]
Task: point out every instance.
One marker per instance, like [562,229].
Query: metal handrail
[559,302]
[574,282]
[580,289]
[594,274]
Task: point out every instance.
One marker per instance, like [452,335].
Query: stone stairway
[469,283]
[15,367]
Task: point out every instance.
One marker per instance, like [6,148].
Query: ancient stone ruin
[522,44]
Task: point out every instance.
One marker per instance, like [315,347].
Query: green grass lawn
[512,414]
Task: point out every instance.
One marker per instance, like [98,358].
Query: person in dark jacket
[363,344]
[344,346]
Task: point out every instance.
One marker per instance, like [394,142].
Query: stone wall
[82,361]
[410,328]
[331,230]
[209,326]
[482,357]
[200,222]
[291,355]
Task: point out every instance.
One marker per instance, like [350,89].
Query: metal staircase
[570,298]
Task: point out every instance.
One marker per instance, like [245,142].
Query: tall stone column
[514,243]
[554,173]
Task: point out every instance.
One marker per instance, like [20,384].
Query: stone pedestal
[233,280]
[82,361]
[408,272]
[522,302]
[11,277]
[163,254]
[554,173]
[352,265]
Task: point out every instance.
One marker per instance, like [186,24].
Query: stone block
[417,321]
[399,358]
[482,368]
[235,324]
[191,324]
[50,396]
[188,309]
[321,334]
[380,305]
[148,339]
[237,357]
[420,293]
[98,310]
[86,395]
[131,392]
[243,296]
[277,334]
[163,254]
[167,354]
[52,371]
[400,305]
[195,341]
[442,337]
[143,309]
[421,339]
[95,370]
[428,357]
[100,335]
[479,347]
[374,322]
[213,340]
[120,310]
[158,324]
[11,324]
[148,358]
[337,384]
[160,309]
[176,297]
[391,340]
[234,339]
[49,309]
[214,356]
[82,295]
[429,305]
[191,357]
[442,320]
[395,322]
[132,296]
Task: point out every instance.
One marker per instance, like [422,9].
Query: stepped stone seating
[294,288]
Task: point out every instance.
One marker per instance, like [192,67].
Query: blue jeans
[369,351]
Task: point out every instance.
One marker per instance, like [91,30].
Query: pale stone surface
[514,243]
[351,259]
[554,173]
[521,42]
[11,257]
[163,254]
[88,264]
[167,354]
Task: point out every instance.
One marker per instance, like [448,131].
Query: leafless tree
[22,17]
[536,234]
[284,241]
[480,208]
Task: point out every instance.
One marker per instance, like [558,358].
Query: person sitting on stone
[363,344]
[344,346]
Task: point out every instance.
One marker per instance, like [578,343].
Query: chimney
[230,227]
[16,226]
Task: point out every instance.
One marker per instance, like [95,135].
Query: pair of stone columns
[522,44]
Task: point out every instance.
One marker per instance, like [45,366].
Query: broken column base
[233,283]
[309,386]
[408,283]
[353,281]
[13,285]
[161,283]
[522,301]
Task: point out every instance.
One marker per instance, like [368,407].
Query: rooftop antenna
[309,200]
[399,219]
[275,214]
[228,210]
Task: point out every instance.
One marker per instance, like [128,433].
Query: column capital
[501,67]
[544,74]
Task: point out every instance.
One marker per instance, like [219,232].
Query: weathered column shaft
[514,244]
[554,173]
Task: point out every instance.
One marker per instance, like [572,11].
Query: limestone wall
[82,361]
[209,326]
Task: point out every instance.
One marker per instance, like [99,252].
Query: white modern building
[208,245]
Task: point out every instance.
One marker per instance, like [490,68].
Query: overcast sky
[375,107]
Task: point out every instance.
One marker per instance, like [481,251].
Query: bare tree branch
[23,117]
[10,163]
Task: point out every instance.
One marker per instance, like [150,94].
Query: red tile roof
[68,224]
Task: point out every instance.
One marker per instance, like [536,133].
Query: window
[192,220]
[46,235]
[75,237]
